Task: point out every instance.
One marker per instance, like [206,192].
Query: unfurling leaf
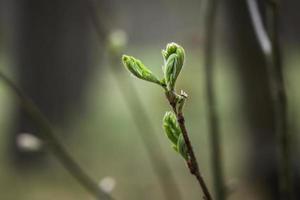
[174,59]
[138,69]
[174,134]
[171,127]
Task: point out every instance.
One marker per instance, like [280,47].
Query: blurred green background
[99,131]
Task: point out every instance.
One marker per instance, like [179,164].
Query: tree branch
[192,161]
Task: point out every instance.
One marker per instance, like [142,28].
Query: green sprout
[138,69]
[174,134]
[173,57]
[173,63]
[173,121]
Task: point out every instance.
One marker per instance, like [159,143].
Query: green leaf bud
[138,69]
[170,49]
[174,59]
[171,127]
[174,134]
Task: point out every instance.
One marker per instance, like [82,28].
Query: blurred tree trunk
[52,57]
[255,97]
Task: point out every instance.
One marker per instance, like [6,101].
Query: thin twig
[139,115]
[192,162]
[53,144]
[277,87]
[212,115]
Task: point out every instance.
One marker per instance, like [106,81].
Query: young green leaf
[170,71]
[138,69]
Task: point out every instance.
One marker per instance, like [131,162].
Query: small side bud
[183,94]
[171,127]
[174,134]
[174,58]
[138,69]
